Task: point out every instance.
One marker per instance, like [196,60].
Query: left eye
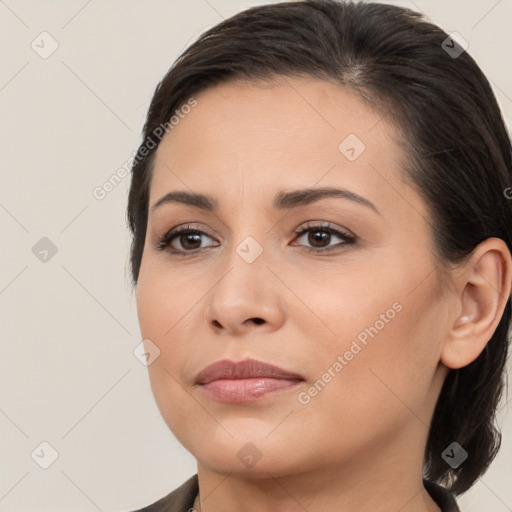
[320,237]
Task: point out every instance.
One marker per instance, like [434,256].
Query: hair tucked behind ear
[458,156]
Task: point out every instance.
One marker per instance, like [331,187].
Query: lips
[246,381]
[247,369]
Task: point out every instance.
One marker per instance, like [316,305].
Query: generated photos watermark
[101,191]
[304,397]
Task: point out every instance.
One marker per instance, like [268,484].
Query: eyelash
[348,239]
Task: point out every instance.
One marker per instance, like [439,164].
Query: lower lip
[246,390]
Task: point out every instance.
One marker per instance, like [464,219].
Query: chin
[247,456]
[230,465]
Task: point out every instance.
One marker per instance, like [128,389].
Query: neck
[385,474]
[355,486]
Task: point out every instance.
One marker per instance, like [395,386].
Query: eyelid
[328,226]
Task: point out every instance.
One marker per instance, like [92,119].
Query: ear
[482,288]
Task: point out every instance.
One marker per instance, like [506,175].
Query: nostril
[258,320]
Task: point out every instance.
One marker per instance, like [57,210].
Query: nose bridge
[243,290]
[246,255]
[244,274]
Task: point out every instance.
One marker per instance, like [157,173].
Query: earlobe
[483,288]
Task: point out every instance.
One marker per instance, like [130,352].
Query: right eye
[182,240]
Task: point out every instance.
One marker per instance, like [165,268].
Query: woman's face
[357,312]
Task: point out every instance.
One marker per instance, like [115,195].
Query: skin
[358,444]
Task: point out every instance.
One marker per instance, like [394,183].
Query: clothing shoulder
[179,500]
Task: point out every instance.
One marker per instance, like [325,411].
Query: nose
[245,299]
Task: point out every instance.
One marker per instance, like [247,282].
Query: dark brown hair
[459,156]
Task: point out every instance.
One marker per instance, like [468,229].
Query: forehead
[291,132]
[280,113]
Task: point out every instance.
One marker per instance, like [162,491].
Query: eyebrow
[282,200]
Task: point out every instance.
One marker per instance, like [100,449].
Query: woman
[321,251]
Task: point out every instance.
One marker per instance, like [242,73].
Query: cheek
[380,338]
[170,311]
[159,315]
[159,312]
[378,387]
[165,302]
[343,305]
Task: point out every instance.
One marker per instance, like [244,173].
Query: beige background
[68,375]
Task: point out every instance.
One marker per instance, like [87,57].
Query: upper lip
[248,368]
